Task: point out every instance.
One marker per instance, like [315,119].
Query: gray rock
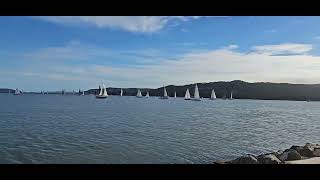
[308,150]
[289,155]
[268,159]
[303,151]
[248,159]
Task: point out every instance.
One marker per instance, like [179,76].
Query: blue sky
[40,53]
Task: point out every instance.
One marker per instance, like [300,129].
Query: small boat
[121,92]
[139,95]
[231,96]
[82,93]
[147,95]
[196,96]
[187,95]
[213,95]
[103,92]
[165,94]
[175,95]
[17,92]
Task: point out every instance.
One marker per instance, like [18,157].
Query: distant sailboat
[139,95]
[196,96]
[165,94]
[213,95]
[231,98]
[147,95]
[121,92]
[82,93]
[187,95]
[175,94]
[17,92]
[103,93]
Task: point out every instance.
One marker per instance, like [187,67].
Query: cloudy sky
[51,53]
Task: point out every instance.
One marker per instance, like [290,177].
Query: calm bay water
[82,129]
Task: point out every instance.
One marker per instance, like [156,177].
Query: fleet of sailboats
[17,92]
[103,92]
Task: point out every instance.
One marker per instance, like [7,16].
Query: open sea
[128,130]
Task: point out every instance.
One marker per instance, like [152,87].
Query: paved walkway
[315,160]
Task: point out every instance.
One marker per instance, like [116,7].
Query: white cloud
[222,64]
[144,24]
[283,49]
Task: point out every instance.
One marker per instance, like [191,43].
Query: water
[82,129]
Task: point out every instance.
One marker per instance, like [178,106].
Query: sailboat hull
[101,97]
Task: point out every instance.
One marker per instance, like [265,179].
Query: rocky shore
[307,154]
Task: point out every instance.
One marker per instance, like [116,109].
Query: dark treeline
[240,89]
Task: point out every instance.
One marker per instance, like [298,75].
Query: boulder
[268,159]
[248,159]
[308,150]
[289,155]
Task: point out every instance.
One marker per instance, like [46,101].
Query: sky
[81,52]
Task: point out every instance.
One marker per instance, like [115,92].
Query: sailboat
[165,94]
[175,94]
[231,96]
[187,95]
[121,92]
[147,95]
[213,95]
[17,92]
[139,95]
[103,93]
[82,93]
[196,96]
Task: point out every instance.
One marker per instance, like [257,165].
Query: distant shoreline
[240,89]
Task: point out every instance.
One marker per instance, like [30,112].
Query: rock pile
[280,157]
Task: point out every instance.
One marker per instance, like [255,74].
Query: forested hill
[240,89]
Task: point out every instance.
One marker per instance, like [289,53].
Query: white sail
[196,93]
[139,93]
[101,91]
[175,94]
[213,94]
[121,92]
[105,93]
[165,94]
[231,95]
[83,93]
[147,95]
[187,95]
